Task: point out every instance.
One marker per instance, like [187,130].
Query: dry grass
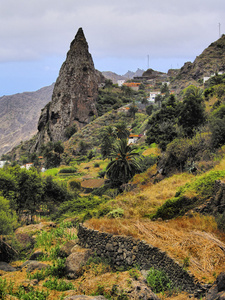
[194,240]
[151,151]
[147,198]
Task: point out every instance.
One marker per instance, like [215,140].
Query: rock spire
[74,95]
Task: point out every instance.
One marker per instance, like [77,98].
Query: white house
[27,166]
[2,163]
[120,82]
[153,95]
[207,78]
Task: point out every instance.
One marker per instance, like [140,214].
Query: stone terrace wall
[129,252]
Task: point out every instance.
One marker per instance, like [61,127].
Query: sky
[122,35]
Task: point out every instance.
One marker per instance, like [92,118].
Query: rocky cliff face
[74,95]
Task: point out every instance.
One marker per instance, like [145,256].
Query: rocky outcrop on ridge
[209,62]
[74,95]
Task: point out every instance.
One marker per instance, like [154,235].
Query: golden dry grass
[195,240]
[144,200]
[151,151]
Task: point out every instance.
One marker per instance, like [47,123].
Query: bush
[74,185]
[68,170]
[116,213]
[58,285]
[70,131]
[158,281]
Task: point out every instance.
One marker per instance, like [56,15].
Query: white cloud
[115,30]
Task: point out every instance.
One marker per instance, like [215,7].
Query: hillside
[209,62]
[19,116]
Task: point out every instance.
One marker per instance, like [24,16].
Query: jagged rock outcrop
[74,95]
[210,61]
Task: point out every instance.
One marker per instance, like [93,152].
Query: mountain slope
[19,115]
[210,61]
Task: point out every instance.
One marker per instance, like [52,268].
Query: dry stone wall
[123,251]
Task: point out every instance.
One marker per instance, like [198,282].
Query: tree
[7,217]
[124,164]
[163,124]
[29,190]
[108,138]
[149,109]
[122,131]
[158,100]
[133,109]
[52,154]
[192,110]
[126,90]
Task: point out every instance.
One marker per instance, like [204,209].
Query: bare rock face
[74,95]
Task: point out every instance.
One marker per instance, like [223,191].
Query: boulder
[6,267]
[66,249]
[36,255]
[33,265]
[217,291]
[74,263]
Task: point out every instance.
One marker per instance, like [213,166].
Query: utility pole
[219,30]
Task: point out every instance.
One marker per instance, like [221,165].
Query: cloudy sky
[35,36]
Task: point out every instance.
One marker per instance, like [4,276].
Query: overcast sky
[35,36]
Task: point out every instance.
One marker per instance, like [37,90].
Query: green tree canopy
[192,110]
[124,164]
[108,135]
[7,217]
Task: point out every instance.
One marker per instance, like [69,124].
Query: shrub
[116,213]
[158,281]
[70,131]
[58,285]
[68,170]
[74,185]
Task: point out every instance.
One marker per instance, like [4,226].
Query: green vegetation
[158,281]
[124,164]
[185,136]
[58,285]
[7,217]
[20,292]
[201,189]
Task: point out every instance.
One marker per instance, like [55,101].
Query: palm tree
[108,138]
[122,131]
[124,164]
